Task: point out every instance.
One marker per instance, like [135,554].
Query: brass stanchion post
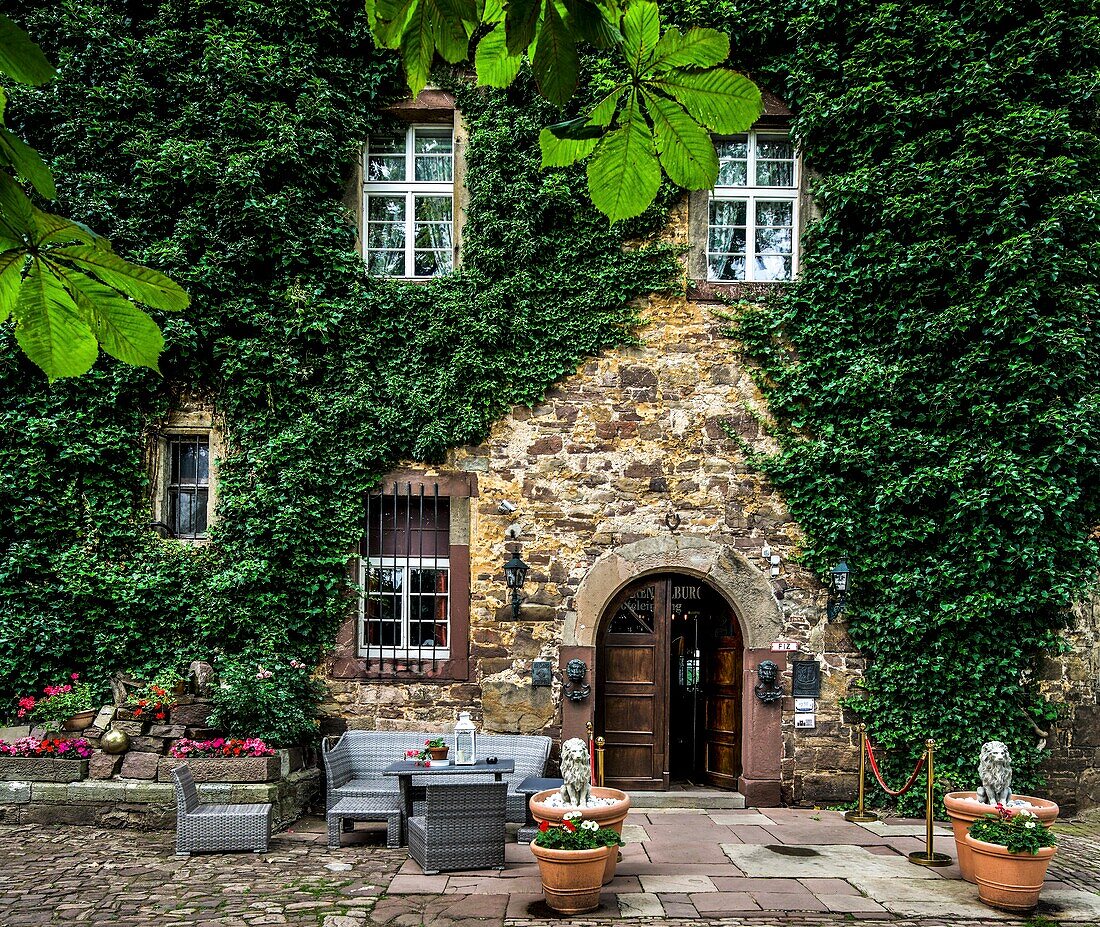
[929,857]
[861,816]
[600,743]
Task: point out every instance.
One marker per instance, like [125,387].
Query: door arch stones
[751,598]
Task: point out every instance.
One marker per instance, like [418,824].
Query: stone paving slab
[925,897]
[836,861]
[740,818]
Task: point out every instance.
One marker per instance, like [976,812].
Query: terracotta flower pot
[80,721]
[439,753]
[963,813]
[571,879]
[610,816]
[1009,881]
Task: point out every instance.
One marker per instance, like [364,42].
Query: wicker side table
[365,809]
[532,785]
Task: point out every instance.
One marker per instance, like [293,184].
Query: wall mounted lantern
[515,575]
[838,590]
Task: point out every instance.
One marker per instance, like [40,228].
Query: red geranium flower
[544,826]
[568,825]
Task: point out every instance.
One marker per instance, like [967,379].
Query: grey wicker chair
[462,827]
[217,828]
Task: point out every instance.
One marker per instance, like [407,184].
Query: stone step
[707,799]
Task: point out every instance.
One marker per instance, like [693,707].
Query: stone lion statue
[995,771]
[576,770]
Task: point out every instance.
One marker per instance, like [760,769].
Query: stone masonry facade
[635,435]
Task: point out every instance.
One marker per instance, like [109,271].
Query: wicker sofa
[353,765]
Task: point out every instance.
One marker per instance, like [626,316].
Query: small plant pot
[571,879]
[1008,881]
[439,753]
[80,721]
[963,812]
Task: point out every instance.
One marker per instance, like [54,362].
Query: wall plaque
[805,721]
[805,679]
[542,673]
[805,704]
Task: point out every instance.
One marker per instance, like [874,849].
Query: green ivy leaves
[64,286]
[661,117]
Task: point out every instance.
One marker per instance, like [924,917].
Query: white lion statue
[576,770]
[995,771]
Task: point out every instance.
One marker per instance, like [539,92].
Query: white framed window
[405,608]
[408,202]
[752,228]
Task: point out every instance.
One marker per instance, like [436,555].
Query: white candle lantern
[465,740]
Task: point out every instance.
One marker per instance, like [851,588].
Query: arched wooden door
[668,685]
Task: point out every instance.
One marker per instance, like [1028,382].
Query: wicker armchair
[462,827]
[216,828]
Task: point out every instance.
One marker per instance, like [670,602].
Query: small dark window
[635,614]
[188,485]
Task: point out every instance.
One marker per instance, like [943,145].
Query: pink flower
[75,676]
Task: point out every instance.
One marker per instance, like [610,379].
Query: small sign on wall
[805,721]
[785,646]
[805,704]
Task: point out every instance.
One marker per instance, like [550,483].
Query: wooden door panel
[626,714]
[723,712]
[630,664]
[632,680]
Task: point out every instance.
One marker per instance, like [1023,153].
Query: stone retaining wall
[147,805]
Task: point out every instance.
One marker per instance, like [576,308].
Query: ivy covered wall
[931,374]
[215,141]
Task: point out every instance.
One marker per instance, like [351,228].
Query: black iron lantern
[515,575]
[838,589]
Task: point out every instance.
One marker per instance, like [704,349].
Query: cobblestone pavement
[678,870]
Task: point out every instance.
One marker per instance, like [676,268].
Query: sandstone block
[15,793]
[147,744]
[169,731]
[511,705]
[136,765]
[36,769]
[104,765]
[218,769]
[193,715]
[133,728]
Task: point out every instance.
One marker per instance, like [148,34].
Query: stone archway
[750,596]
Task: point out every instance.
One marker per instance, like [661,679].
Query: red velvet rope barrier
[874,767]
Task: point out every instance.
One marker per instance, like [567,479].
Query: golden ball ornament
[114,741]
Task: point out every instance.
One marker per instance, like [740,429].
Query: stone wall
[1072,681]
[634,435]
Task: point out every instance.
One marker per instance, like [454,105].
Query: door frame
[662,684]
[748,591]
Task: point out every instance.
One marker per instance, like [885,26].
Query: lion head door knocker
[768,689]
[575,671]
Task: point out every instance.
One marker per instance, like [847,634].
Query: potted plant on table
[572,857]
[1010,853]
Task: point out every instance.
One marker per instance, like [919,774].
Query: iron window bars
[188,485]
[404,570]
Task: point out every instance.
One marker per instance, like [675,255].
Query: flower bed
[32,760]
[222,760]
